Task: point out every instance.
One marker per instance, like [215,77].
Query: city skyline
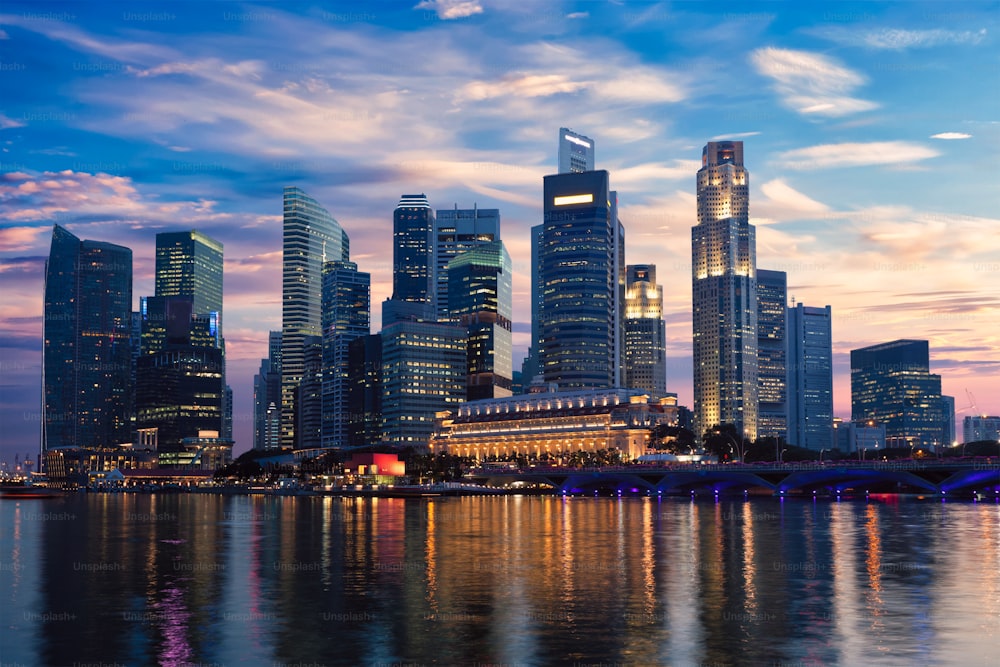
[874,197]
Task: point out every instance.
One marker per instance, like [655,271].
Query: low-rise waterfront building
[553,423]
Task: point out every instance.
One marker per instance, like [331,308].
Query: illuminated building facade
[311,237]
[456,231]
[576,152]
[189,264]
[724,294]
[891,384]
[581,275]
[87,355]
[346,316]
[413,255]
[772,355]
[423,372]
[481,298]
[645,331]
[810,377]
[267,396]
[553,423]
[980,427]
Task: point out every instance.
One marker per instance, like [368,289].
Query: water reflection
[179,579]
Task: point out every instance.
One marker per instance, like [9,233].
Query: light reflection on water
[188,578]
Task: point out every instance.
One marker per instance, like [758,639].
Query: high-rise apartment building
[772,351]
[579,262]
[645,332]
[480,298]
[346,316]
[311,237]
[456,231]
[724,294]
[891,384]
[576,152]
[423,372]
[87,357]
[810,377]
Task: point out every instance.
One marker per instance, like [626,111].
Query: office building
[189,264]
[413,251]
[724,294]
[772,387]
[980,427]
[456,231]
[645,331]
[579,263]
[267,395]
[87,356]
[810,377]
[576,152]
[346,316]
[423,372]
[309,396]
[311,237]
[364,371]
[891,384]
[481,299]
[948,414]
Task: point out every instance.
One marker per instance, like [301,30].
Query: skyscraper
[578,274]
[189,264]
[576,152]
[87,358]
[267,396]
[810,377]
[891,384]
[724,294]
[645,332]
[423,372]
[772,374]
[364,370]
[311,237]
[413,250]
[346,316]
[455,231]
[531,367]
[480,297]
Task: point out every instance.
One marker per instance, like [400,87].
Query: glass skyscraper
[810,377]
[772,374]
[423,372]
[724,294]
[891,384]
[87,357]
[311,237]
[413,250]
[455,231]
[579,262]
[189,264]
[480,297]
[645,332]
[346,316]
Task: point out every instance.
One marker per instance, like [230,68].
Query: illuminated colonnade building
[553,423]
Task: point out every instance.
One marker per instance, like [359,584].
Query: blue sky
[871,133]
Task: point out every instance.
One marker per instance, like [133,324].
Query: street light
[782,453]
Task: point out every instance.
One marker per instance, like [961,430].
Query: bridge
[941,478]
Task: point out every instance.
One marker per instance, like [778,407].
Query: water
[187,579]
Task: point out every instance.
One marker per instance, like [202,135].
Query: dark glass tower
[364,371]
[772,371]
[189,264]
[892,384]
[311,237]
[810,377]
[724,294]
[579,268]
[456,231]
[480,296]
[87,365]
[412,250]
[346,316]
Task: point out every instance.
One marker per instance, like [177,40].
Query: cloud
[810,83]
[522,85]
[897,39]
[733,135]
[791,203]
[452,9]
[951,135]
[578,15]
[7,123]
[827,156]
[14,239]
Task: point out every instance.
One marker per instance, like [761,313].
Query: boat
[26,490]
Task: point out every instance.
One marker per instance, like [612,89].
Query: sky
[871,133]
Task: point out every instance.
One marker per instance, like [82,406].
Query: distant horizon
[866,130]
